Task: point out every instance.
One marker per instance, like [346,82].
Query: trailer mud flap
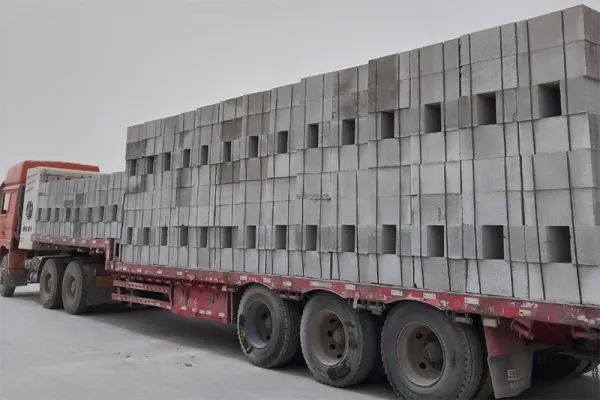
[510,360]
[511,373]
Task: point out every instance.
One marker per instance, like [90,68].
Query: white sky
[75,74]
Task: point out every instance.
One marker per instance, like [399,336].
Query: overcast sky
[75,74]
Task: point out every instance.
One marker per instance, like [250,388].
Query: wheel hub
[259,325]
[420,354]
[328,338]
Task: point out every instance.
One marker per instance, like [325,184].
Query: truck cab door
[6,216]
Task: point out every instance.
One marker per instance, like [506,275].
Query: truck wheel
[425,355]
[268,327]
[74,289]
[5,290]
[551,367]
[338,342]
[51,280]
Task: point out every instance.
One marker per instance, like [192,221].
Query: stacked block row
[86,208]
[469,166]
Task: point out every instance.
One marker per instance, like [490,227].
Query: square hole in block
[280,237]
[282,142]
[558,244]
[77,215]
[184,236]
[388,237]
[388,123]
[149,165]
[486,109]
[432,117]
[348,238]
[227,237]
[549,101]
[251,236]
[348,131]
[131,167]
[311,238]
[145,236]
[252,146]
[435,241]
[203,239]
[114,213]
[227,152]
[164,236]
[48,214]
[90,215]
[101,214]
[129,238]
[56,216]
[492,242]
[68,213]
[187,158]
[204,154]
[312,136]
[166,162]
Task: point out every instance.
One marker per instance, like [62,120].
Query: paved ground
[150,354]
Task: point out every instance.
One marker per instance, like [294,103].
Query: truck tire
[426,355]
[377,374]
[268,327]
[5,290]
[552,367]
[51,279]
[338,342]
[74,289]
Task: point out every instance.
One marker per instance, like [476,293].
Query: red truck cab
[11,204]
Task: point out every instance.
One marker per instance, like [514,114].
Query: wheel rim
[420,354]
[328,337]
[259,325]
[71,286]
[47,283]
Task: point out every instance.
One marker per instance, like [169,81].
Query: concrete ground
[128,354]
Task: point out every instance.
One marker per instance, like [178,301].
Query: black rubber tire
[75,303]
[377,374]
[553,367]
[51,298]
[285,316]
[5,291]
[361,343]
[461,346]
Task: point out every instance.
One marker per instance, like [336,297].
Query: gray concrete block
[436,275]
[495,277]
[485,45]
[588,280]
[581,23]
[560,283]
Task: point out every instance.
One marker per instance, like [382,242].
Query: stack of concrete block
[469,166]
[85,208]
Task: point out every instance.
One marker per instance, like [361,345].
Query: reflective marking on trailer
[399,293]
[287,283]
[529,304]
[474,301]
[266,280]
[350,287]
[160,272]
[183,308]
[179,273]
[201,312]
[208,312]
[93,241]
[320,284]
[243,277]
[139,270]
[221,315]
[430,296]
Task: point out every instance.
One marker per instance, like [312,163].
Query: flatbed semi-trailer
[68,227]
